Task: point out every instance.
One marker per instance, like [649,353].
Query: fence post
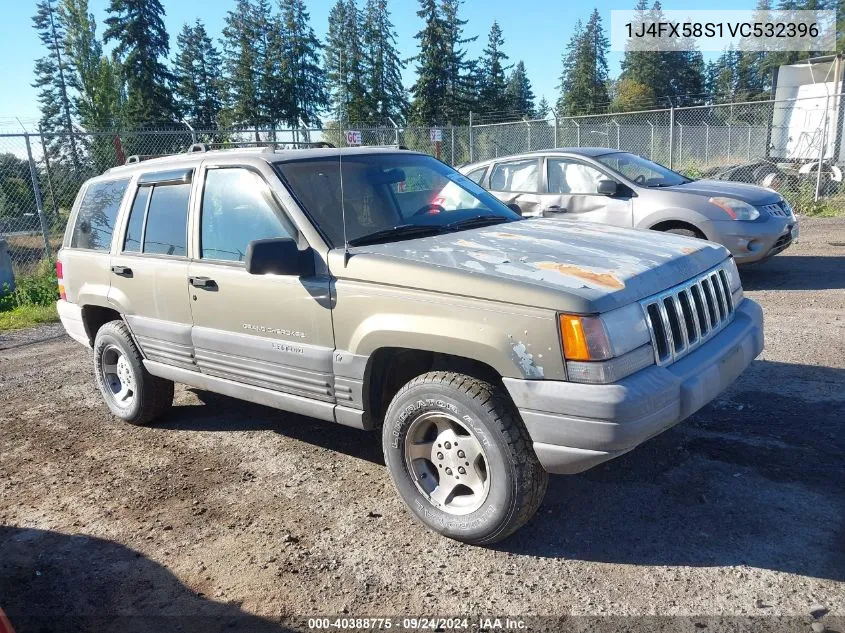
[577,133]
[671,135]
[821,150]
[651,125]
[706,143]
[471,149]
[452,136]
[556,129]
[49,177]
[39,203]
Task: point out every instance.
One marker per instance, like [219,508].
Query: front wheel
[461,458]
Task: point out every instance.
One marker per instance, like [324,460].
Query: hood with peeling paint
[549,263]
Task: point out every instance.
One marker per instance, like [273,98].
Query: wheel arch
[96,316]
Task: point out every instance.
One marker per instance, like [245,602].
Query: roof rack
[137,158]
[266,145]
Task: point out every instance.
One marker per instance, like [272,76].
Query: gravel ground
[227,509]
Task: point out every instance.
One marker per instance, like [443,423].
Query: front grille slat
[686,316]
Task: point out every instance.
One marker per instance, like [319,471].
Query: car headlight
[737,209]
[606,348]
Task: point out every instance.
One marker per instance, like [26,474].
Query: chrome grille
[686,316]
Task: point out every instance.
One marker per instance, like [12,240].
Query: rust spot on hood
[608,280]
[688,249]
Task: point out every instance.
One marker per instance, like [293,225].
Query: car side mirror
[278,256]
[607,187]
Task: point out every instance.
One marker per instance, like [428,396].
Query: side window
[237,207]
[476,175]
[132,243]
[516,176]
[571,177]
[97,214]
[167,220]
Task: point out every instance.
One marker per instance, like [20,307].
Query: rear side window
[97,215]
[166,232]
[518,175]
[237,207]
[134,231]
[476,175]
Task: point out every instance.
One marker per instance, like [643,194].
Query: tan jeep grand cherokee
[381,288]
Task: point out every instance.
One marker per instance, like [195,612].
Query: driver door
[571,191]
[271,331]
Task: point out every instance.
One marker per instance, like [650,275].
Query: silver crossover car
[613,187]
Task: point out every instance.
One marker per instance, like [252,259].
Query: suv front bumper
[576,426]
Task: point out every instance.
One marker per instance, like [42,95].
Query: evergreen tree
[241,59]
[543,109]
[585,73]
[345,65]
[94,77]
[50,79]
[461,96]
[384,66]
[646,68]
[519,94]
[494,99]
[306,80]
[196,70]
[142,43]
[429,91]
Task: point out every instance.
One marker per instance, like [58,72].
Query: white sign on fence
[436,135]
[353,137]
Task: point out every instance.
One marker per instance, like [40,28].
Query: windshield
[396,195]
[642,171]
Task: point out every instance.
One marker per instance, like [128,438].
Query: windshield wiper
[479,220]
[402,230]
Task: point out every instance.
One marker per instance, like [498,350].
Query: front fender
[516,342]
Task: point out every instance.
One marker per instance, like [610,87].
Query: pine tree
[196,70]
[429,90]
[94,77]
[494,99]
[461,95]
[306,80]
[336,61]
[142,43]
[584,78]
[345,64]
[242,103]
[384,67]
[543,109]
[51,80]
[519,94]
[645,68]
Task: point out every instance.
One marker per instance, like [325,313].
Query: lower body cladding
[576,426]
[753,242]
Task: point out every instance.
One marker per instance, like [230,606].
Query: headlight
[737,209]
[733,274]
[606,348]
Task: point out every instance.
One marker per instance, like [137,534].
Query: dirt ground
[231,512]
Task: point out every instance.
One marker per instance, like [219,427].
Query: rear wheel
[461,458]
[688,232]
[130,391]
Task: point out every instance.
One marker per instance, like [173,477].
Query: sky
[535,31]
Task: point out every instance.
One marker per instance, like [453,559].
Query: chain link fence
[793,146]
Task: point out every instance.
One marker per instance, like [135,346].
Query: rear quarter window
[97,214]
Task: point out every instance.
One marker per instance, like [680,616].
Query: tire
[129,390]
[508,482]
[685,232]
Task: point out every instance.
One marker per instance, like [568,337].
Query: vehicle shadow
[795,272]
[222,413]
[755,478]
[65,583]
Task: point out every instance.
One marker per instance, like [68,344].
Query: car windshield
[644,172]
[387,197]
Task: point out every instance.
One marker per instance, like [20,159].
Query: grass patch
[27,316]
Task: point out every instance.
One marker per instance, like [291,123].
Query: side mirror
[278,256]
[607,187]
[513,206]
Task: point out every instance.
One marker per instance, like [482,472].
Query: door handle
[122,271]
[202,282]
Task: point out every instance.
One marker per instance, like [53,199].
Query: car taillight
[61,280]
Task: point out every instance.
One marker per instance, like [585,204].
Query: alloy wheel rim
[447,463]
[118,376]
